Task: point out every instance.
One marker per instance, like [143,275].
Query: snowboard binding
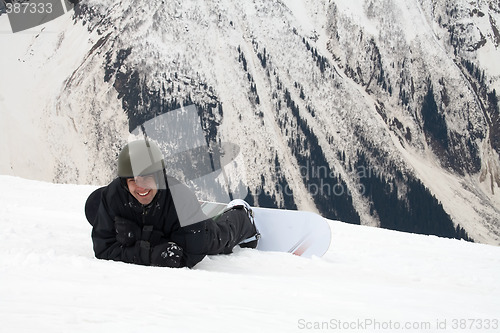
[250,242]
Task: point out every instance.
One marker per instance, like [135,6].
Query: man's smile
[143,194]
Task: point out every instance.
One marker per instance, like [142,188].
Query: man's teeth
[144,194]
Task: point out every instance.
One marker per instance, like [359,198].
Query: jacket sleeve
[191,232]
[107,247]
[193,239]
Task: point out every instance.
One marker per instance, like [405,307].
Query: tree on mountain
[434,123]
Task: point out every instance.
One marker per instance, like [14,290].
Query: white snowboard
[298,232]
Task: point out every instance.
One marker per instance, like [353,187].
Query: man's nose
[141,182]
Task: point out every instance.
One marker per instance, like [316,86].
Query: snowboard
[302,233]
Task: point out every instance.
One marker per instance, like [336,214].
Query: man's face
[143,188]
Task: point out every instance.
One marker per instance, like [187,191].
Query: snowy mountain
[382,113]
[370,280]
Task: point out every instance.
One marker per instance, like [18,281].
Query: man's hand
[127,232]
[167,255]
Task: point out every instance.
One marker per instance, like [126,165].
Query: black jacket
[159,221]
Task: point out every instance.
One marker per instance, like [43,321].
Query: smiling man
[147,218]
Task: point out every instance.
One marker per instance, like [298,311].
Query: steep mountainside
[374,112]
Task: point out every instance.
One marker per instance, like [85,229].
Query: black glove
[127,232]
[167,255]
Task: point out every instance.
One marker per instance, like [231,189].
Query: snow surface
[51,282]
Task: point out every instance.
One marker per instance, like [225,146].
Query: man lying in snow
[145,217]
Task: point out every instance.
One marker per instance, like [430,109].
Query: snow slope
[370,280]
